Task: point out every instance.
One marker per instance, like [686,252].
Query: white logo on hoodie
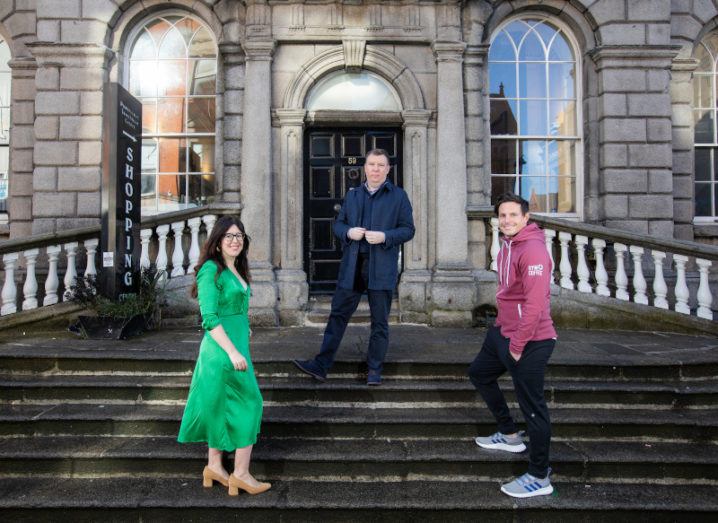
[535,270]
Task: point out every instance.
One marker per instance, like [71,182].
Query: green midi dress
[224,406]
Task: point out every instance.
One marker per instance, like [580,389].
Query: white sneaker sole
[501,446]
[540,492]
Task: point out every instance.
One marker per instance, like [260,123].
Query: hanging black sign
[121,192]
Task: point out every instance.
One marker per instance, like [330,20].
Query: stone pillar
[416,277]
[453,292]
[291,278]
[256,178]
[22,139]
[232,58]
[683,155]
[635,142]
[68,126]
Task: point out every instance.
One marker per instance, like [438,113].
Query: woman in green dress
[224,407]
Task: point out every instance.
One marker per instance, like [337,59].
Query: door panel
[334,161]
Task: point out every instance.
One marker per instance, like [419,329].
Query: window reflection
[353,91]
[704,127]
[532,91]
[173,71]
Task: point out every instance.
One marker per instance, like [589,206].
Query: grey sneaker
[500,441]
[528,486]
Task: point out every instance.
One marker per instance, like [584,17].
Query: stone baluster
[9,289]
[145,235]
[639,281]
[208,220]
[71,270]
[681,291]
[549,235]
[177,253]
[582,266]
[565,264]
[91,248]
[194,224]
[660,289]
[495,247]
[621,277]
[29,290]
[601,274]
[704,297]
[162,231]
[52,281]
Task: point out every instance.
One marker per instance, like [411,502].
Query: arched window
[704,118]
[363,91]
[535,130]
[5,79]
[172,69]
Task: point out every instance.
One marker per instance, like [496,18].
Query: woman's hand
[239,362]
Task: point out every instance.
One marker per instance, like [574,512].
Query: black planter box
[103,328]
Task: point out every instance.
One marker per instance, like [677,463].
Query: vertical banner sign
[121,192]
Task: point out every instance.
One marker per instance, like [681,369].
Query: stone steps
[296,459]
[172,499]
[163,388]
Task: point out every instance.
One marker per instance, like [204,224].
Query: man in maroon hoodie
[521,342]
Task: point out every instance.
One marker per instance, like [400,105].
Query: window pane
[503,156]
[148,184]
[560,50]
[502,80]
[531,48]
[561,158]
[516,30]
[172,45]
[200,115]
[143,78]
[187,28]
[171,192]
[501,48]
[149,155]
[561,194]
[703,164]
[546,32]
[171,74]
[562,117]
[703,123]
[170,115]
[203,76]
[500,185]
[353,91]
[561,80]
[201,155]
[533,189]
[705,60]
[702,92]
[533,117]
[202,44]
[532,80]
[503,117]
[172,155]
[144,47]
[532,157]
[201,189]
[157,28]
[703,199]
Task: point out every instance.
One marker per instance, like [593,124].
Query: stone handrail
[611,245]
[82,244]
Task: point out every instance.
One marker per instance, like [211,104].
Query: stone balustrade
[78,250]
[595,247]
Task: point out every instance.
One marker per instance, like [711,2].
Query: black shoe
[312,368]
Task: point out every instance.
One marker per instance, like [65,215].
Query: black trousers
[528,376]
[344,303]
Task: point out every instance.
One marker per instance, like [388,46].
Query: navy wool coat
[392,215]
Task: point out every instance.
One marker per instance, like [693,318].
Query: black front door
[334,161]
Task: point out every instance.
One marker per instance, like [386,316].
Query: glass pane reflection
[503,156]
[201,155]
[533,117]
[702,164]
[201,189]
[562,117]
[703,199]
[200,115]
[703,126]
[354,92]
[533,189]
[503,117]
[171,192]
[170,115]
[532,80]
[532,157]
[561,155]
[172,155]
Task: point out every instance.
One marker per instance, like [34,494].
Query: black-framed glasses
[237,236]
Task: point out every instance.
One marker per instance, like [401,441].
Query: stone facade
[636,165]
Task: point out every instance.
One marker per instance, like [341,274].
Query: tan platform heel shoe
[235,484]
[209,476]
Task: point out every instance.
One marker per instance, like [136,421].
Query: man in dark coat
[374,221]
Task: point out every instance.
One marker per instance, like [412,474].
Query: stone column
[22,139]
[683,155]
[635,142]
[453,292]
[68,127]
[232,57]
[256,178]
[291,278]
[416,277]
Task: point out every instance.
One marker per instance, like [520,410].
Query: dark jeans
[528,377]
[344,303]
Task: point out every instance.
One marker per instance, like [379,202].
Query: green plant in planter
[124,317]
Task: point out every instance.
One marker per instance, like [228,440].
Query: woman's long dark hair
[212,250]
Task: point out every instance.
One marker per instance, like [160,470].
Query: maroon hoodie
[523,298]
